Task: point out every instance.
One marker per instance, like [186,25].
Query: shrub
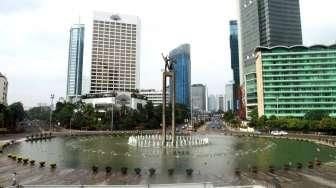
[19,159]
[318,163]
[299,165]
[53,165]
[94,169]
[25,160]
[255,169]
[151,171]
[123,170]
[310,164]
[170,171]
[237,172]
[42,163]
[108,169]
[137,171]
[189,171]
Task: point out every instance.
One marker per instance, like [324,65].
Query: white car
[279,133]
[283,133]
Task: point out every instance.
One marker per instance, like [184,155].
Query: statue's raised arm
[169,63]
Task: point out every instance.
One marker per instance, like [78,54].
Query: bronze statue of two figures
[168,73]
[169,63]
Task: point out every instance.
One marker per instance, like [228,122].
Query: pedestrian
[14,179]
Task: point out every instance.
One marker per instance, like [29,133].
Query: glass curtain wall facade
[181,56]
[267,23]
[235,62]
[292,81]
[75,61]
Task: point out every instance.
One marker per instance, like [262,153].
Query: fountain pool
[220,158]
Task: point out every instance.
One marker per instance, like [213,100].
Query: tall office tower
[235,62]
[212,103]
[198,97]
[229,97]
[115,53]
[266,23]
[181,57]
[75,62]
[3,89]
[220,99]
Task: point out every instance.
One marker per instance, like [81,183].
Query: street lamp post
[51,106]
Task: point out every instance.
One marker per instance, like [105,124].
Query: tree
[316,115]
[85,116]
[262,122]
[3,116]
[63,113]
[181,113]
[39,113]
[327,124]
[228,116]
[254,118]
[149,110]
[16,114]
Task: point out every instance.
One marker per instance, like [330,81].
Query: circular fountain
[156,141]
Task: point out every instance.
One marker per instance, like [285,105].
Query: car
[283,133]
[257,132]
[275,133]
[279,133]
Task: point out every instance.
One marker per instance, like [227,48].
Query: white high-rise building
[3,89]
[115,55]
[220,102]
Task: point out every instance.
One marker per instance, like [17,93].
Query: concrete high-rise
[199,97]
[235,62]
[212,103]
[115,53]
[182,68]
[3,89]
[220,99]
[75,62]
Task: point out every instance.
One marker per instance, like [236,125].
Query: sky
[34,39]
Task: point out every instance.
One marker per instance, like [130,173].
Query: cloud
[14,6]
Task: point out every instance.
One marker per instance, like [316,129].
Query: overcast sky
[34,39]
